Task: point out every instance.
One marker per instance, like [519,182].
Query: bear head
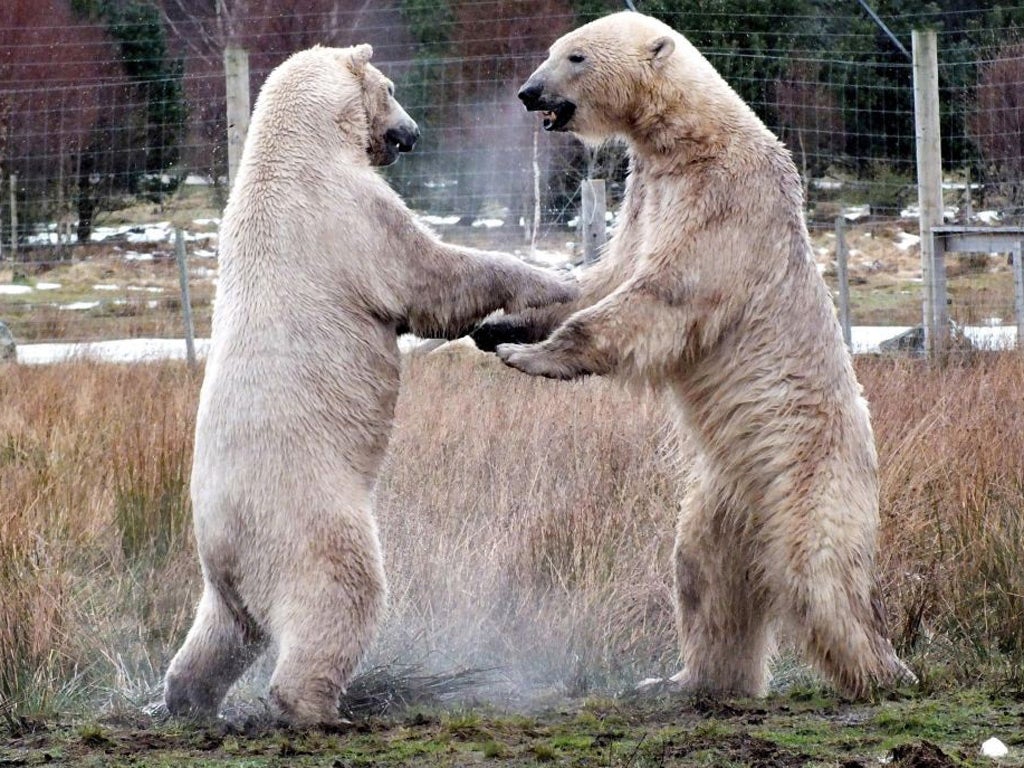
[389,129]
[601,78]
[336,99]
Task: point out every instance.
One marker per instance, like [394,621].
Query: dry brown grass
[527,525]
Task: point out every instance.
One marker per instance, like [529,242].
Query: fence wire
[112,129]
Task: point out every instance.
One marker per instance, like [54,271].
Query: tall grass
[527,525]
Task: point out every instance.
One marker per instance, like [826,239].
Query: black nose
[530,94]
[405,136]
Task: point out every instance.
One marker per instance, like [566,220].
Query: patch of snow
[907,240]
[988,217]
[203,253]
[489,223]
[99,234]
[438,221]
[136,256]
[80,305]
[914,212]
[826,183]
[160,232]
[207,222]
[13,289]
[854,212]
[195,180]
[106,287]
[867,338]
[146,288]
[547,258]
[116,351]
[47,286]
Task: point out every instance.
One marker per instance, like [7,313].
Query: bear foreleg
[633,331]
[459,286]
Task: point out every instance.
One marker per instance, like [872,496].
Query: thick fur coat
[708,290]
[321,267]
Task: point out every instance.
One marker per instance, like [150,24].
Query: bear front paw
[503,330]
[536,361]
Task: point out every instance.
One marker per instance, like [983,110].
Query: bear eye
[576,58]
[391,89]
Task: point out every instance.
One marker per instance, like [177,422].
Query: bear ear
[661,48]
[359,56]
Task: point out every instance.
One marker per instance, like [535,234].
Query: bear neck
[671,135]
[302,148]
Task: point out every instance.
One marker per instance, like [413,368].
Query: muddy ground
[809,729]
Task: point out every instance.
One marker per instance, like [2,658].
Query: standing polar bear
[321,266]
[708,290]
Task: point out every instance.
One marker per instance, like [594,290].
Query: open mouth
[402,138]
[556,116]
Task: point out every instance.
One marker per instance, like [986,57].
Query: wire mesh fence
[113,131]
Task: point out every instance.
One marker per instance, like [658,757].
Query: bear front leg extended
[633,332]
[457,287]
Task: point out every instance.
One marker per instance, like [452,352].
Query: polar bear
[321,267]
[708,291]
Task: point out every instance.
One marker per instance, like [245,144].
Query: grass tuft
[527,528]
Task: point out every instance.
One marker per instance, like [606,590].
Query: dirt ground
[799,729]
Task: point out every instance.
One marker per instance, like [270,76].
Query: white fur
[321,266]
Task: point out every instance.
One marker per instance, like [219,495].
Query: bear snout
[530,94]
[557,111]
[404,136]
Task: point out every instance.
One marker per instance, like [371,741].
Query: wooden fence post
[592,224]
[929,188]
[14,217]
[1018,291]
[186,299]
[236,80]
[843,276]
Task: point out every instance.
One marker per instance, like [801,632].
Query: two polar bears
[707,290]
[321,267]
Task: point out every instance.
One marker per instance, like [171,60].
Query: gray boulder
[8,349]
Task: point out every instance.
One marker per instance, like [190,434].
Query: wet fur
[708,290]
[321,265]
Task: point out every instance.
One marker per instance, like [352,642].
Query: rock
[994,748]
[8,349]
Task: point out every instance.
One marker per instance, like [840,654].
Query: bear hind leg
[842,631]
[726,632]
[217,650]
[330,618]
